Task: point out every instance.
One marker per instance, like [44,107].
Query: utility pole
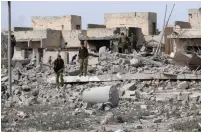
[9,50]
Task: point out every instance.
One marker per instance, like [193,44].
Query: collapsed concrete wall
[181,24]
[145,20]
[57,22]
[45,38]
[194,17]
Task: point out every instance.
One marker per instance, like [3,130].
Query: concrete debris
[102,95]
[183,85]
[118,89]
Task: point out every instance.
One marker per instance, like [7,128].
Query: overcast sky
[91,12]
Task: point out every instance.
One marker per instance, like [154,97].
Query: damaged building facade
[49,36]
[187,35]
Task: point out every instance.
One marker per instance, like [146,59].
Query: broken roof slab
[186,33]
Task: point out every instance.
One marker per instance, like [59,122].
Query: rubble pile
[144,105]
[4,44]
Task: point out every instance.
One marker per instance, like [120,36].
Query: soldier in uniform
[83,59]
[58,69]
[123,44]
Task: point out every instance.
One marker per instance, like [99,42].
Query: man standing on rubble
[83,59]
[123,44]
[58,69]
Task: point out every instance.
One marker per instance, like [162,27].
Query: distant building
[147,21]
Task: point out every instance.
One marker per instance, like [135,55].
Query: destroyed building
[121,92]
[145,20]
[187,35]
[47,37]
[53,34]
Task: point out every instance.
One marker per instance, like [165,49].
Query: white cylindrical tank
[101,95]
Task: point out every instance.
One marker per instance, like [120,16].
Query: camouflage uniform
[123,44]
[83,59]
[83,66]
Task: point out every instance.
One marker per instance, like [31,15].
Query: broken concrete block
[194,97]
[108,117]
[129,86]
[158,120]
[26,88]
[183,85]
[169,86]
[101,95]
[184,96]
[135,62]
[138,126]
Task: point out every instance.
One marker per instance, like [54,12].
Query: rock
[160,88]
[125,61]
[4,79]
[26,88]
[144,107]
[169,86]
[35,92]
[22,114]
[90,112]
[194,98]
[108,117]
[119,130]
[158,120]
[135,62]
[32,130]
[18,65]
[184,96]
[129,86]
[183,85]
[195,130]
[138,126]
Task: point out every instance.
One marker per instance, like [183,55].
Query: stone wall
[194,16]
[142,20]
[56,22]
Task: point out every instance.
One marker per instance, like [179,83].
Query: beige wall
[18,54]
[53,38]
[194,16]
[142,20]
[56,22]
[76,20]
[36,34]
[100,32]
[48,38]
[71,37]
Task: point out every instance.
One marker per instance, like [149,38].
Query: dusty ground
[149,106]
